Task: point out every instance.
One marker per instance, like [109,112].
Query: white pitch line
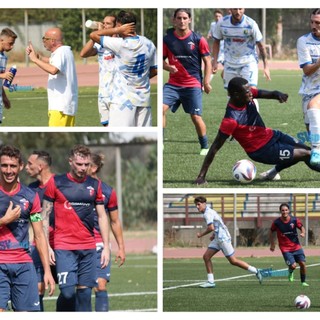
[227,279]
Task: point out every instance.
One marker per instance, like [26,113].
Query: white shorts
[103,107]
[248,72]
[123,116]
[225,246]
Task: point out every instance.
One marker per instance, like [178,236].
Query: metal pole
[307,220]
[26,32]
[84,40]
[119,182]
[142,21]
[264,29]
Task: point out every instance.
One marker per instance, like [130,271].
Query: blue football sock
[83,300]
[41,302]
[102,301]
[203,142]
[66,300]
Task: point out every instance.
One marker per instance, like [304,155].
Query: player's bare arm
[207,73]
[169,68]
[310,69]
[47,208]
[263,55]
[42,247]
[125,29]
[215,54]
[88,50]
[272,242]
[42,63]
[12,214]
[116,228]
[104,230]
[209,229]
[276,95]
[215,147]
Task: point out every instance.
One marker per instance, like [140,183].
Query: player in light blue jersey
[136,63]
[106,69]
[241,36]
[220,240]
[308,48]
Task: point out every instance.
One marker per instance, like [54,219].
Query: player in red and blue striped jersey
[111,206]
[76,198]
[286,229]
[18,279]
[183,54]
[262,144]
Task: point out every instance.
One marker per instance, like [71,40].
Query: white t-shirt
[134,57]
[239,40]
[308,48]
[63,86]
[220,229]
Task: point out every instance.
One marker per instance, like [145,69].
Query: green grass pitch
[30,108]
[132,287]
[181,159]
[236,289]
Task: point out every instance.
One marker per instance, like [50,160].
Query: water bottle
[92,24]
[6,82]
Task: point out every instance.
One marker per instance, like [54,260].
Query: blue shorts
[37,263]
[103,273]
[76,267]
[277,151]
[295,256]
[190,98]
[18,283]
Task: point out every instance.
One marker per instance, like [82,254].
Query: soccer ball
[302,302]
[244,171]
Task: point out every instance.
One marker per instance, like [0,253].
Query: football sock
[290,270]
[314,126]
[66,299]
[210,277]
[303,277]
[41,302]
[256,102]
[102,301]
[203,142]
[83,300]
[252,269]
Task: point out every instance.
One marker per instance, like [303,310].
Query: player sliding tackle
[262,144]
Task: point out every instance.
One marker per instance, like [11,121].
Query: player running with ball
[220,240]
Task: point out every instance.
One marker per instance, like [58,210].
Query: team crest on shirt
[91,191]
[292,225]
[25,204]
[191,45]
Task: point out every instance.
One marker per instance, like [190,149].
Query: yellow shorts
[58,119]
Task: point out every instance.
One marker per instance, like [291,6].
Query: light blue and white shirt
[134,57]
[107,69]
[220,229]
[239,40]
[308,49]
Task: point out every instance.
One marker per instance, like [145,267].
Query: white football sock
[314,126]
[252,269]
[210,277]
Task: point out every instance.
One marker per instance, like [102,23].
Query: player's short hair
[187,11]
[236,84]
[11,152]
[80,150]
[124,17]
[218,11]
[97,160]
[44,156]
[315,12]
[284,205]
[200,199]
[6,32]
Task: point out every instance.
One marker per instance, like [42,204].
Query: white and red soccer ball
[302,302]
[244,171]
